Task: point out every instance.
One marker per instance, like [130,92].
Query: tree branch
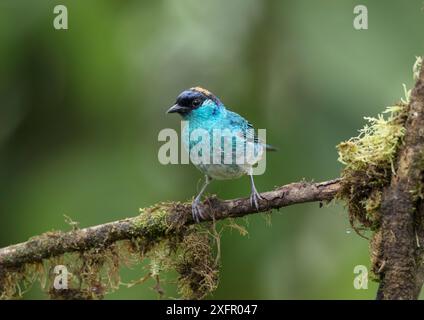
[53,244]
[399,208]
[401,226]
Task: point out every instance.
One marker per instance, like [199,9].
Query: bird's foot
[254,198]
[197,211]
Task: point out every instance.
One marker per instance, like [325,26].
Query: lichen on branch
[382,185]
[95,271]
[369,163]
[164,235]
[369,160]
[167,239]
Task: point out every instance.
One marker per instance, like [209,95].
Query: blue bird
[204,112]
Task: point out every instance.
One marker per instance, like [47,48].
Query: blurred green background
[80,111]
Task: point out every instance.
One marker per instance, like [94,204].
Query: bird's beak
[177,109]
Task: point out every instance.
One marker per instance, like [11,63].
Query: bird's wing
[247,131]
[237,122]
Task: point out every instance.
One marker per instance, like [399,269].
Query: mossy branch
[164,233]
[159,221]
[401,224]
[382,184]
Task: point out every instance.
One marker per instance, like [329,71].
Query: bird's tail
[268,147]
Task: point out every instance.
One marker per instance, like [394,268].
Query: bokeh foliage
[80,111]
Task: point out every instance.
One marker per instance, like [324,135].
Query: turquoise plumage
[229,156]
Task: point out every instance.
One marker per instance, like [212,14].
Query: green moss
[369,164]
[198,271]
[377,142]
[369,161]
[154,220]
[14,282]
[159,237]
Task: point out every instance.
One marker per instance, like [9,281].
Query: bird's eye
[196,103]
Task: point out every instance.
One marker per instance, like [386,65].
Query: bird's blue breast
[208,118]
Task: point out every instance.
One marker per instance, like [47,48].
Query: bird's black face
[187,101]
[192,99]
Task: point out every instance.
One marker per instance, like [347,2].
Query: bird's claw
[254,198]
[197,211]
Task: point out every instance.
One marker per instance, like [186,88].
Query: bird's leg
[195,207]
[254,196]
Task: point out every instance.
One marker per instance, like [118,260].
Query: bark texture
[53,244]
[401,227]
